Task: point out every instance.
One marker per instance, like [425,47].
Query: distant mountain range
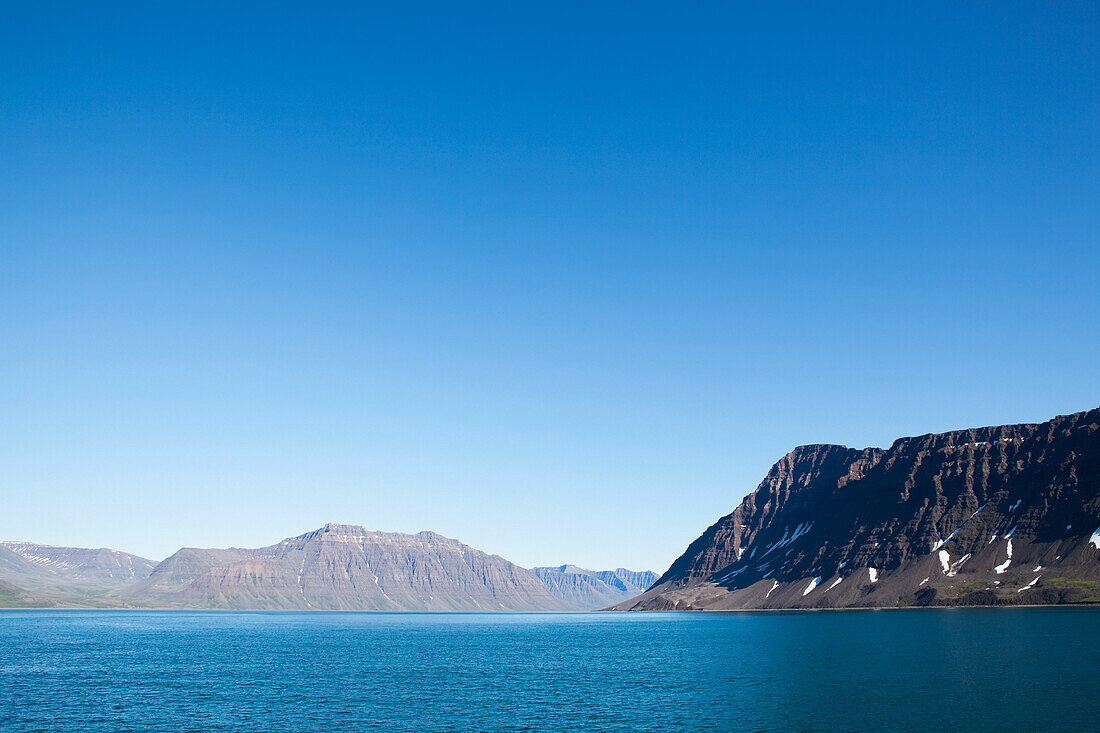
[45,575]
[987,516]
[337,567]
[591,589]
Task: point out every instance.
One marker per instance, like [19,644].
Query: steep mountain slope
[986,516]
[346,567]
[593,589]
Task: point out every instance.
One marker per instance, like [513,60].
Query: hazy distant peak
[34,565]
[593,589]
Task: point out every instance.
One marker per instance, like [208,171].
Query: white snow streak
[727,576]
[301,590]
[956,565]
[787,539]
[1029,585]
[941,543]
[1004,566]
[380,588]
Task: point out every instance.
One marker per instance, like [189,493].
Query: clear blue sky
[559,281]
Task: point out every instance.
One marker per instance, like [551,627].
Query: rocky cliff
[986,516]
[593,589]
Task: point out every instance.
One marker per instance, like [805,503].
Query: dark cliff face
[794,488]
[989,515]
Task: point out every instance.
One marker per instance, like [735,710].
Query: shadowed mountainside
[986,516]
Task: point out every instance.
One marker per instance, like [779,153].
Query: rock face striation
[346,567]
[986,516]
[593,589]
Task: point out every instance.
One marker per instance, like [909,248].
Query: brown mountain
[986,516]
[346,567]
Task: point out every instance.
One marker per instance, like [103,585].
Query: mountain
[986,516]
[345,567]
[593,589]
[41,575]
[337,567]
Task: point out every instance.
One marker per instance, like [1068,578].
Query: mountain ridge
[335,567]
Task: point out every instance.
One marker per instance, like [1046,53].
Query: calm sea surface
[994,669]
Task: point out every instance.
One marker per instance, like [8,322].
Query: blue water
[979,669]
